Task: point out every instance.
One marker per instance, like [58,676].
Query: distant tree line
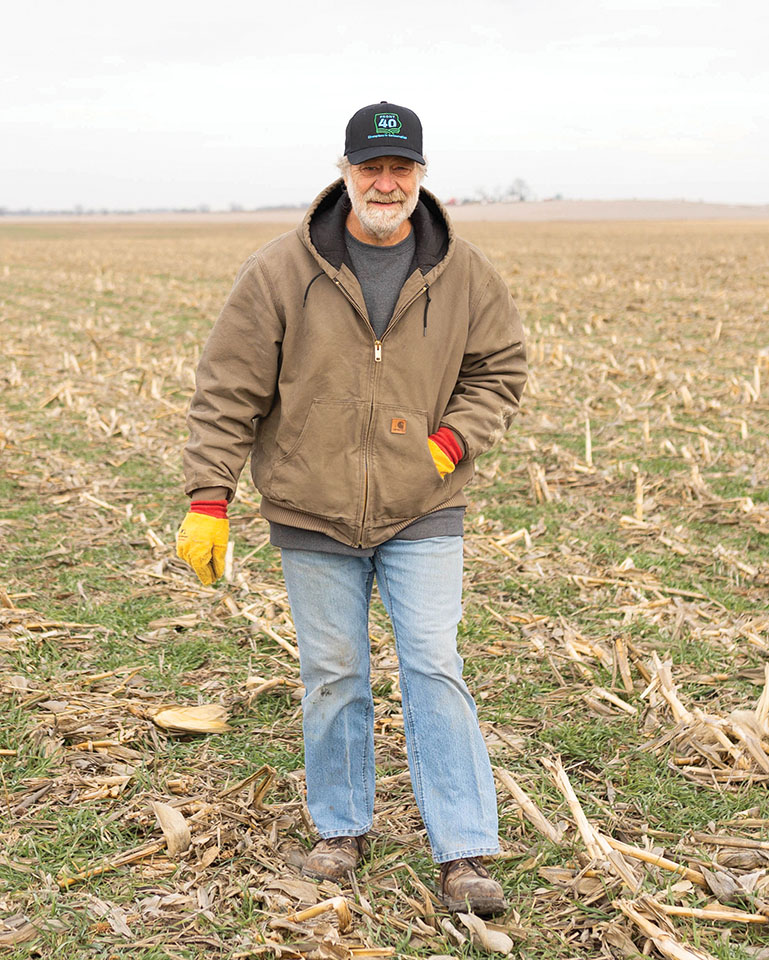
[517,192]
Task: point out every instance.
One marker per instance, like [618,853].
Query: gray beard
[380,223]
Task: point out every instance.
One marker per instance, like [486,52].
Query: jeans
[420,582]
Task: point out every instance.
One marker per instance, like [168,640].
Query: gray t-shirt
[381,272]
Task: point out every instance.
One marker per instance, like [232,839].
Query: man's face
[383,192]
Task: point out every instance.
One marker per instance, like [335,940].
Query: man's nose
[385,182]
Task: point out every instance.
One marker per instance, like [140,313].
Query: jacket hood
[322,231]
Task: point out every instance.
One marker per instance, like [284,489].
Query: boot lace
[335,843]
[461,865]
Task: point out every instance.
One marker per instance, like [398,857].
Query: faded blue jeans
[420,582]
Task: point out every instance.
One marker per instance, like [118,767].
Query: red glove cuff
[446,440]
[212,508]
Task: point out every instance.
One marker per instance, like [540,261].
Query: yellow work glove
[202,543]
[443,463]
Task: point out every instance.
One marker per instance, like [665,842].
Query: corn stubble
[617,573]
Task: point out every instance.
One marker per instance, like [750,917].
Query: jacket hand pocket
[322,472]
[403,479]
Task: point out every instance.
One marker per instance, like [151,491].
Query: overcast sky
[167,103]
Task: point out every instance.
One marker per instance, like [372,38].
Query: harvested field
[616,630]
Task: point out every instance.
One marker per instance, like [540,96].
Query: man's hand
[202,543]
[445,450]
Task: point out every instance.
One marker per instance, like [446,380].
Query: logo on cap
[387,123]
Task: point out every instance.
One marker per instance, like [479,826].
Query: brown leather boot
[335,858]
[466,887]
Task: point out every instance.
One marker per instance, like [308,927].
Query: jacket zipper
[395,319]
[377,359]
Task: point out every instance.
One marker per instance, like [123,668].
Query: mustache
[393,197]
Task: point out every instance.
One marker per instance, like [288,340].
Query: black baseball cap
[383,130]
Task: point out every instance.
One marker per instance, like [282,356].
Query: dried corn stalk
[528,807]
[712,748]
[664,940]
[598,846]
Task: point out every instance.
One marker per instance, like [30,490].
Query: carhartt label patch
[397,426]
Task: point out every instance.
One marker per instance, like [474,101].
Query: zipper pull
[377,351]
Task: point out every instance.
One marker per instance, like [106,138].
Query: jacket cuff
[212,493]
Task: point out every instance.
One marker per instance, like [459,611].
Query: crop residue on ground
[616,628]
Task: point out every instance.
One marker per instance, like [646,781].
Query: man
[365,360]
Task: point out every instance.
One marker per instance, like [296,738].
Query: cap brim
[384,150]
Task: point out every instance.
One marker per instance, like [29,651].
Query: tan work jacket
[335,420]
